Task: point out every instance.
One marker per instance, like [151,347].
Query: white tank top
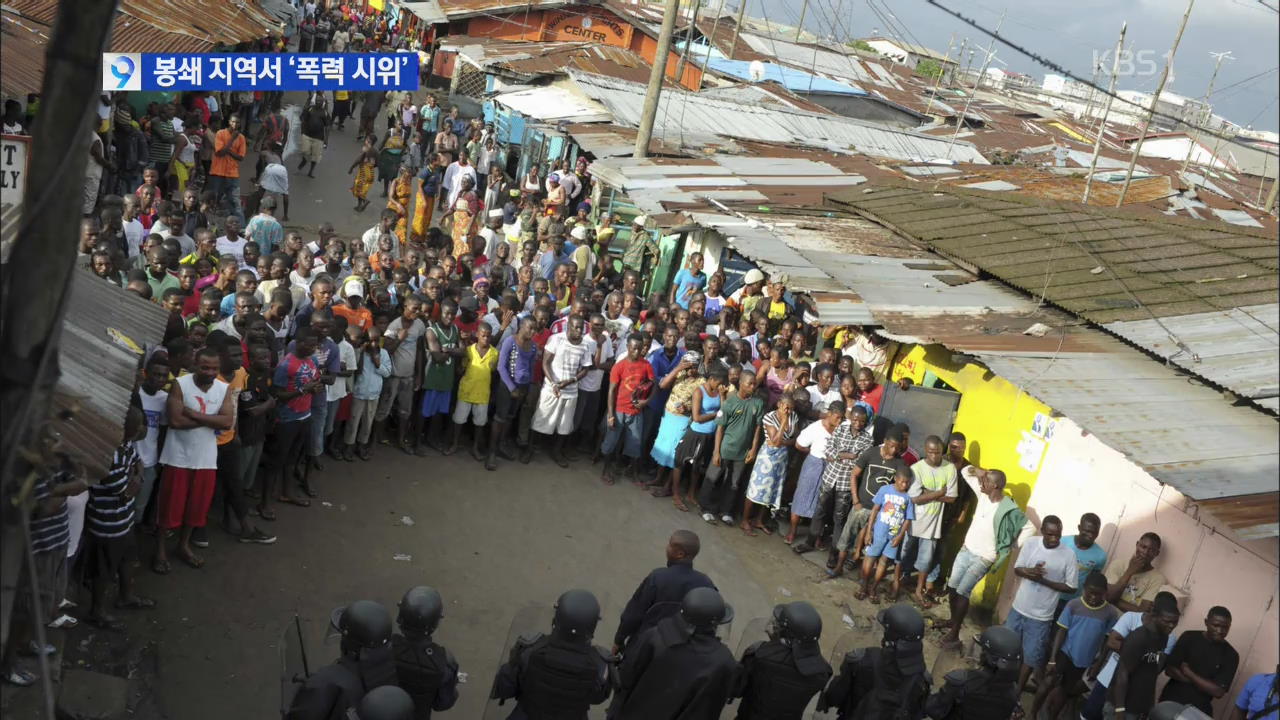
[187,155]
[196,448]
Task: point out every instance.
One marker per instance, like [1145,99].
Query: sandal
[266,514]
[308,490]
[860,595]
[160,567]
[20,678]
[137,602]
[63,622]
[660,492]
[680,505]
[191,559]
[290,500]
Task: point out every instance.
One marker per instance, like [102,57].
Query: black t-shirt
[1143,653]
[252,428]
[1216,661]
[876,473]
[313,122]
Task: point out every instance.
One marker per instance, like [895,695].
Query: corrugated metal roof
[837,65]
[749,94]
[22,47]
[790,78]
[552,104]
[1109,267]
[103,336]
[428,10]
[681,112]
[458,9]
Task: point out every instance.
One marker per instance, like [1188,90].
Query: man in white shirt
[385,226]
[453,175]
[1046,568]
[565,361]
[134,232]
[491,232]
[232,243]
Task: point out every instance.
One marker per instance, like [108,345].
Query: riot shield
[863,632]
[528,622]
[756,630]
[294,668]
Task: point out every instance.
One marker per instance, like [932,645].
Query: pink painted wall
[1206,562]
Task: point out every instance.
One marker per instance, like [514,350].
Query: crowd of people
[510,326]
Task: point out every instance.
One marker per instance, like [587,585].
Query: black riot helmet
[577,612]
[703,609]
[388,702]
[797,621]
[1001,648]
[420,610]
[901,622]
[363,624]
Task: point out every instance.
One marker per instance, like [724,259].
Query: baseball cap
[354,289]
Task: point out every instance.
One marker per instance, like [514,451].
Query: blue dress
[669,434]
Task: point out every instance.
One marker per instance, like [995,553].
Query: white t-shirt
[814,437]
[490,241]
[195,448]
[1127,623]
[155,415]
[134,234]
[594,378]
[347,356]
[981,538]
[234,247]
[569,359]
[1038,601]
[821,400]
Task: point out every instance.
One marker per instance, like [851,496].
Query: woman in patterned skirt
[770,470]
[363,167]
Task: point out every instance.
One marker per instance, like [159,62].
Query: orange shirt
[378,265]
[362,317]
[225,165]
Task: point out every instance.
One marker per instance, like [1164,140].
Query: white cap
[354,288]
[496,213]
[753,276]
[640,220]
[579,232]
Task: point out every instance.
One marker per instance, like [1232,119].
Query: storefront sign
[13,167]
[597,28]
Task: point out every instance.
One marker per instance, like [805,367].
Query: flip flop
[860,595]
[300,502]
[160,567]
[191,560]
[680,506]
[765,529]
[136,602]
[660,492]
[265,513]
[20,678]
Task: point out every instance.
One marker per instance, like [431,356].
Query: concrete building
[910,54]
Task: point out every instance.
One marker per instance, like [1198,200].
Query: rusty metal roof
[1177,288]
[169,25]
[458,9]
[105,332]
[22,47]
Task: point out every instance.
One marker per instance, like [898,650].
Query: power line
[1050,64]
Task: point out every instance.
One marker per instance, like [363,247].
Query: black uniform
[553,679]
[980,694]
[879,684]
[779,680]
[427,671]
[673,673]
[331,690]
[658,596]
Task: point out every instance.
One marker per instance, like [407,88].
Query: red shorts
[344,409]
[185,496]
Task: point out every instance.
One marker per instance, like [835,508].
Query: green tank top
[440,374]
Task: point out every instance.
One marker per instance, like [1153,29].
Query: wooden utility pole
[1191,147]
[800,25]
[650,111]
[36,280]
[1102,126]
[737,27]
[1151,111]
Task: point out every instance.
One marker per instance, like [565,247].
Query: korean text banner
[259,71]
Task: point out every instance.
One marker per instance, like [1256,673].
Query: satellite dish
[756,71]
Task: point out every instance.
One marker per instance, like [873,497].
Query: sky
[1076,34]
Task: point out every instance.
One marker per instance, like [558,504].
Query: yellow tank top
[474,386]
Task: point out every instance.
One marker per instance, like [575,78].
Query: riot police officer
[558,676]
[365,663]
[988,693]
[679,668]
[424,668]
[884,683]
[385,703]
[780,675]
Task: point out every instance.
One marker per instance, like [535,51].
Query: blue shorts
[436,402]
[627,429]
[1034,634]
[966,571]
[923,549]
[881,543]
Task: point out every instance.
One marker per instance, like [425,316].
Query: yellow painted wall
[993,414]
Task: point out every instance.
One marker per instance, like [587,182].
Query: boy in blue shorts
[1081,629]
[892,511]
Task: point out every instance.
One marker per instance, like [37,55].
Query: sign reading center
[593,27]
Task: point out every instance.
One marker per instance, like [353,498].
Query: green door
[670,253]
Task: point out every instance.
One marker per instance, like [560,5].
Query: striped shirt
[54,531]
[109,513]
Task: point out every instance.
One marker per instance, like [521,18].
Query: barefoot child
[893,512]
[770,470]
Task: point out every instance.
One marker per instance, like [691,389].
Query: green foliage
[860,45]
[928,68]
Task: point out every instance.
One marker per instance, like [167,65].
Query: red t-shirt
[873,397]
[627,375]
[540,342]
